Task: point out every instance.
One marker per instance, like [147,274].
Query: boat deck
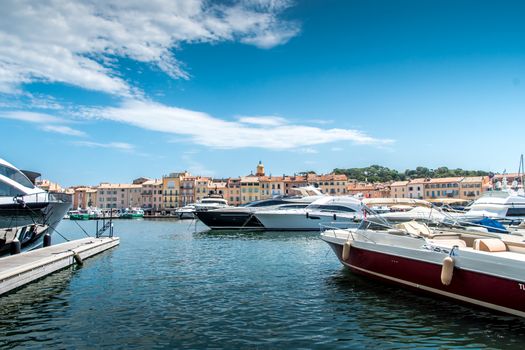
[18,270]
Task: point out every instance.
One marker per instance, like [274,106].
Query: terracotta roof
[106,185]
[249,179]
[327,177]
[420,180]
[445,180]
[399,183]
[472,179]
[512,175]
[271,179]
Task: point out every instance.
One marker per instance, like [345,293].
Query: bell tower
[260,169]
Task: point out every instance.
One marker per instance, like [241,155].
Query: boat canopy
[396,201]
[449,201]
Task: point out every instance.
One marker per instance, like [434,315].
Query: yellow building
[271,186]
[171,190]
[202,184]
[249,189]
[446,187]
[473,187]
[331,184]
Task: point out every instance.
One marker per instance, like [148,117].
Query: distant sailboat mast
[521,171]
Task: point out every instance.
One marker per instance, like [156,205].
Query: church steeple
[260,169]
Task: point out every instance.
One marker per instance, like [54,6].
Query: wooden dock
[18,270]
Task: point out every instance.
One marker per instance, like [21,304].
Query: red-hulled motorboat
[474,267]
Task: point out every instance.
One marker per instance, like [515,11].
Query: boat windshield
[7,190]
[213,201]
[16,176]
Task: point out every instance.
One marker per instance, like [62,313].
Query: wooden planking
[18,270]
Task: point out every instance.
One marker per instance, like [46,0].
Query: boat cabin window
[218,201]
[293,206]
[264,203]
[516,212]
[15,175]
[330,208]
[8,190]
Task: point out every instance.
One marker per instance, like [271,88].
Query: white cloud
[77,42]
[31,117]
[61,129]
[263,120]
[204,129]
[115,145]
[48,123]
[320,121]
[306,150]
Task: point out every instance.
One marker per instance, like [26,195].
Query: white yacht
[210,203]
[186,212]
[505,202]
[328,211]
[243,217]
[27,212]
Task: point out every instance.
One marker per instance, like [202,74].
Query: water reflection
[399,317]
[255,234]
[23,313]
[168,287]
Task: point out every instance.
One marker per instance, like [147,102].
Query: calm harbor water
[168,287]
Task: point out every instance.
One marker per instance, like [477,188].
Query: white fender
[447,270]
[346,250]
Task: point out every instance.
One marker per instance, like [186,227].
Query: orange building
[369,190]
[331,184]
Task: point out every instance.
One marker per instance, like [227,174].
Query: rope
[87,234]
[24,205]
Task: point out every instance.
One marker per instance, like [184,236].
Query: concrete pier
[18,270]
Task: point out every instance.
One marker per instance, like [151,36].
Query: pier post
[15,247]
[47,240]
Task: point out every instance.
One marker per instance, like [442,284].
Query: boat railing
[336,225]
[107,226]
[359,231]
[37,197]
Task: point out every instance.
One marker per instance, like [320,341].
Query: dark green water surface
[168,287]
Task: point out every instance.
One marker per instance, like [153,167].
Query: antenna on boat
[521,171]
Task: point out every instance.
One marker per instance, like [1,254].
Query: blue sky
[94,91]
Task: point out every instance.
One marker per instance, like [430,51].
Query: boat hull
[229,220]
[79,217]
[186,215]
[300,221]
[132,216]
[493,292]
[29,223]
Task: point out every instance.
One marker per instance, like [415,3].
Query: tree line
[377,173]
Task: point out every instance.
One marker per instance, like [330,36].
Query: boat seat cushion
[415,228]
[490,245]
